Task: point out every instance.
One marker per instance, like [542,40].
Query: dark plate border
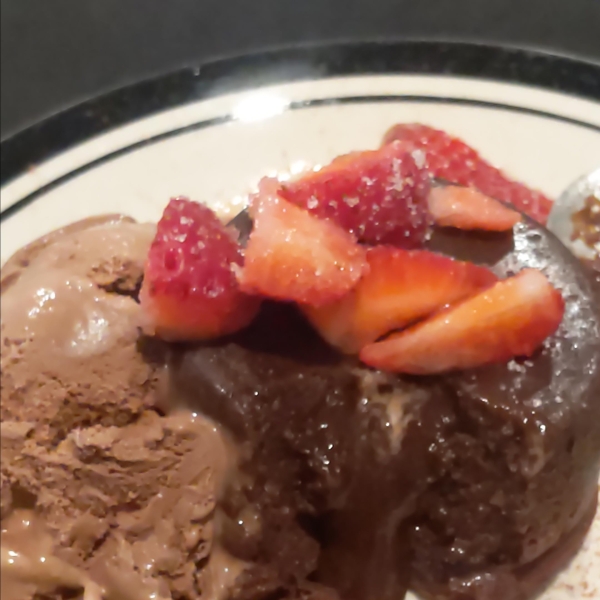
[99,115]
[221,120]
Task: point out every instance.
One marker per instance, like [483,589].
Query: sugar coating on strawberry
[447,157]
[468,209]
[401,287]
[190,290]
[294,256]
[511,319]
[380,196]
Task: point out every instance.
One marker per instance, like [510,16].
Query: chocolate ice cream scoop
[121,499]
[70,346]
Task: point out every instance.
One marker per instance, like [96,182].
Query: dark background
[56,53]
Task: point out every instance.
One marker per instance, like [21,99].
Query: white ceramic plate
[210,133]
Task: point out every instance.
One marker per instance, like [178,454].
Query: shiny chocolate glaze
[347,475]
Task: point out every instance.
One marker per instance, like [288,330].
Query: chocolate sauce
[322,473]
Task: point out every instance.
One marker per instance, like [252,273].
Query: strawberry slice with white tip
[189,290]
[467,208]
[511,319]
[400,287]
[294,256]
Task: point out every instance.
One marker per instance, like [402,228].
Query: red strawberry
[379,195]
[511,319]
[190,291]
[467,208]
[449,158]
[400,287]
[293,255]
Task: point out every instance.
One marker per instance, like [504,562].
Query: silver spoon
[566,205]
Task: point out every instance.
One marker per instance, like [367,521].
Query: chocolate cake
[478,476]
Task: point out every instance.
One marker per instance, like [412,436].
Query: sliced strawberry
[380,196]
[449,158]
[511,319]
[400,287]
[293,255]
[467,208]
[190,291]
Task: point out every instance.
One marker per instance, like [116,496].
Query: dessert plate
[212,132]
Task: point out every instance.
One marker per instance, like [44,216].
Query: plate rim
[65,129]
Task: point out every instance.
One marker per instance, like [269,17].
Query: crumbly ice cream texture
[97,486]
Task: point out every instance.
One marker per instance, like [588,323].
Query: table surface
[57,53]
